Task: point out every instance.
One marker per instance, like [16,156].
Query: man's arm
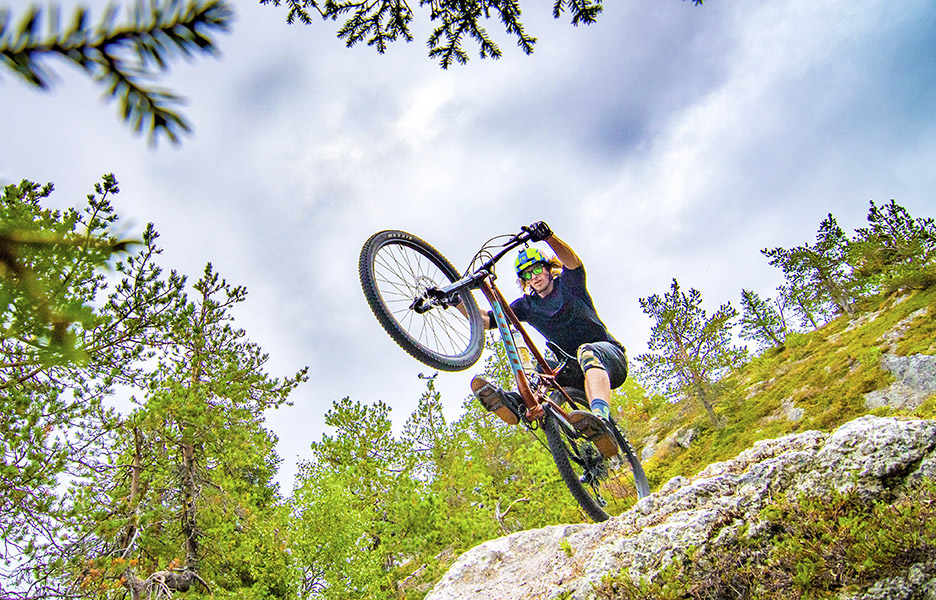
[485,317]
[564,253]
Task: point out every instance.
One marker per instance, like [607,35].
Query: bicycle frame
[534,400]
[483,278]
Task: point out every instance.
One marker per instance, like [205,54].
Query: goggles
[531,272]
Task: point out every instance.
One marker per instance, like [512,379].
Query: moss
[883,411]
[927,410]
[796,340]
[921,337]
[870,357]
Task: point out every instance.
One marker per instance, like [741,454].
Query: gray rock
[649,448]
[680,438]
[877,456]
[915,382]
[788,411]
[917,583]
[791,411]
[684,437]
[895,333]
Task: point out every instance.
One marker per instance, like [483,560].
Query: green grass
[825,373]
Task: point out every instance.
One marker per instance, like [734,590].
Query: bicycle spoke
[401,276]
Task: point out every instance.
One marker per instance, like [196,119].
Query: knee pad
[588,358]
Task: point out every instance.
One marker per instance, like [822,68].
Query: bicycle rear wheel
[602,487]
[640,478]
[395,268]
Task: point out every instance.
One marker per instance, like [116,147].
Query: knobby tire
[569,454]
[395,268]
[640,478]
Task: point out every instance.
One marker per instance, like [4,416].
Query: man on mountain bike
[557,304]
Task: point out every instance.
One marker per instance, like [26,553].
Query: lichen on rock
[704,515]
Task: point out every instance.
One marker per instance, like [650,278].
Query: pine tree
[330,536]
[64,349]
[382,22]
[426,434]
[183,494]
[820,274]
[121,58]
[176,495]
[762,321]
[689,351]
[896,251]
[49,267]
[800,302]
[366,459]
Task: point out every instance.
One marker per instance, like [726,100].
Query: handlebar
[446,296]
[521,238]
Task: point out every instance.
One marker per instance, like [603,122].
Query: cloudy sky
[667,140]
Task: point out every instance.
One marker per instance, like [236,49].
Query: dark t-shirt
[567,316]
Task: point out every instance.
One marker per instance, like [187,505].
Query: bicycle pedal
[595,431]
[493,399]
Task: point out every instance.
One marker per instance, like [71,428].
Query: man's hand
[539,231]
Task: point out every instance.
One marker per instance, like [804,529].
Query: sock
[600,407]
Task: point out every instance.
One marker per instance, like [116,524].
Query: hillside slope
[817,380]
[741,528]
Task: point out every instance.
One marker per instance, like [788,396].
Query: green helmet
[527,258]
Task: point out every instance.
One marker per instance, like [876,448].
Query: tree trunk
[189,495]
[163,584]
[704,396]
[697,379]
[763,322]
[501,515]
[135,468]
[836,292]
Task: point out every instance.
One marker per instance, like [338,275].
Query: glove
[539,231]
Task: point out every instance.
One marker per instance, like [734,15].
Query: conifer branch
[123,59]
[378,22]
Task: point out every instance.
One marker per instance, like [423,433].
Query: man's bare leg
[597,385]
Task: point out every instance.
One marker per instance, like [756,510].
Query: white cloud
[667,140]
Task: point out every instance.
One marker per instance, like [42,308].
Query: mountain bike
[424,304]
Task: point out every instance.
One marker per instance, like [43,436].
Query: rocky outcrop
[889,340]
[914,376]
[914,382]
[877,457]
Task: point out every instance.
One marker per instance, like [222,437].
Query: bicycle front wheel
[602,487]
[396,268]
